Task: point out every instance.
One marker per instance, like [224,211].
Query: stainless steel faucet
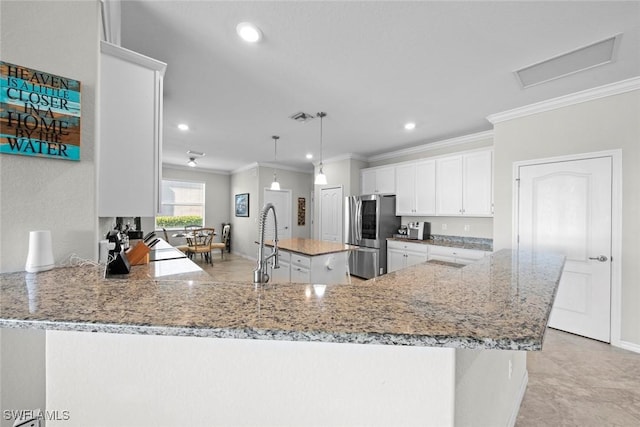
[260,274]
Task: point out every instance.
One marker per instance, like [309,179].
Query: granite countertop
[312,247]
[500,302]
[451,242]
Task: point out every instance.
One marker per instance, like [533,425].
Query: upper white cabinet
[464,184]
[416,188]
[378,180]
[130,105]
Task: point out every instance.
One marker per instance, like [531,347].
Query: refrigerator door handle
[358,220]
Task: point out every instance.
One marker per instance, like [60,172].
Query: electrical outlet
[444,226]
[467,227]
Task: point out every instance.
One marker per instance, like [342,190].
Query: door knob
[600,258]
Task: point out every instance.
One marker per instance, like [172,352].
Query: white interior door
[331,214]
[566,207]
[281,200]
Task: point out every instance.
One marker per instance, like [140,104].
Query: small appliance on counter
[419,230]
[118,262]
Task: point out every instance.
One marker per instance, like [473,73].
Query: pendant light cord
[321,115]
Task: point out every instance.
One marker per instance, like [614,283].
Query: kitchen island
[312,261]
[444,346]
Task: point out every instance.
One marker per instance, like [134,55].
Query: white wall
[22,371]
[490,385]
[59,37]
[603,124]
[147,380]
[45,194]
[217,196]
[244,231]
[300,184]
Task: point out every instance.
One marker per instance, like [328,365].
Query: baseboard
[626,345]
[521,391]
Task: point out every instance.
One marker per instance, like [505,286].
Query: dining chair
[222,245]
[200,243]
[181,248]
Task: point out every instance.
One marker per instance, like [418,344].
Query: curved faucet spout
[260,274]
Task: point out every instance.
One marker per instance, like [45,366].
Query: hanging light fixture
[192,162]
[321,178]
[275,185]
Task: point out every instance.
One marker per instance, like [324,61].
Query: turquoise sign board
[39,113]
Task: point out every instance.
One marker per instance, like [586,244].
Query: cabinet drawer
[300,274]
[300,261]
[409,246]
[284,256]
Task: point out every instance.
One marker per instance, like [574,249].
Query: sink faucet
[260,274]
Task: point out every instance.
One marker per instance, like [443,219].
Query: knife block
[139,254]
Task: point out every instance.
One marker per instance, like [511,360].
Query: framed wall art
[39,113]
[242,204]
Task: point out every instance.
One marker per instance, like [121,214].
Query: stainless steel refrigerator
[368,221]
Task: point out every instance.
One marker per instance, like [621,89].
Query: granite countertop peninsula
[312,247]
[500,302]
[477,243]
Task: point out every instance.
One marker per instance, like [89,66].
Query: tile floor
[573,381]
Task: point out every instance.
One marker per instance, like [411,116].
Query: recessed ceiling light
[249,32]
[410,126]
[309,156]
[183,126]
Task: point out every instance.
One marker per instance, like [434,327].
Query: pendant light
[275,185]
[321,178]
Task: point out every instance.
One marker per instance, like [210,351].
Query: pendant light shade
[275,185]
[321,178]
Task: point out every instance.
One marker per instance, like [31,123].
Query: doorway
[566,205]
[281,200]
[331,214]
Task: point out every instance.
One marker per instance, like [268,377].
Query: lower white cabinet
[321,269]
[282,274]
[405,254]
[401,254]
[455,255]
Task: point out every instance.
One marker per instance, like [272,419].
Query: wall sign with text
[39,113]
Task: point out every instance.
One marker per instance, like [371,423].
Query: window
[182,204]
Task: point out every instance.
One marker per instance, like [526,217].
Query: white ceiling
[372,66]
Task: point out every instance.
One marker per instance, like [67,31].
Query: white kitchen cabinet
[300,268]
[282,274]
[464,184]
[130,108]
[378,180]
[320,269]
[455,255]
[405,254]
[416,188]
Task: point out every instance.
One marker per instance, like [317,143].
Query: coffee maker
[118,262]
[419,230]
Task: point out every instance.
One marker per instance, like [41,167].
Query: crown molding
[611,89]
[286,168]
[347,156]
[466,139]
[196,169]
[245,168]
[131,56]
